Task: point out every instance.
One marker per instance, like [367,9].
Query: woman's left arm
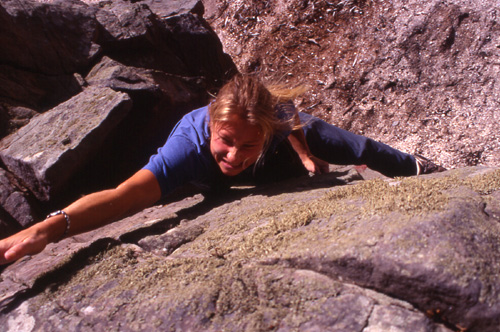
[298,141]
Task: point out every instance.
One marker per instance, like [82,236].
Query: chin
[231,172]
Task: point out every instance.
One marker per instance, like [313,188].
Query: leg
[338,146]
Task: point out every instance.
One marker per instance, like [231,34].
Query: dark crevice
[491,213]
[215,199]
[8,225]
[390,85]
[462,17]
[33,71]
[450,40]
[367,321]
[189,213]
[483,209]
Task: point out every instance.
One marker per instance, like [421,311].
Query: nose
[233,154]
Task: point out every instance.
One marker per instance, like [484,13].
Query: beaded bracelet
[68,222]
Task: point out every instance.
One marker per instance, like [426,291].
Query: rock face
[100,84]
[414,254]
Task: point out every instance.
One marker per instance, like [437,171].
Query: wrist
[56,226]
[305,156]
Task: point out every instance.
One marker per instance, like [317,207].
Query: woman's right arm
[89,212]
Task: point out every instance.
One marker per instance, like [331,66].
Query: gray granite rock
[16,203]
[414,254]
[46,152]
[114,75]
[51,38]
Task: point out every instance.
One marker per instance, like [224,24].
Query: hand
[299,144]
[27,242]
[315,165]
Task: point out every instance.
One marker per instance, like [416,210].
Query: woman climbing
[250,133]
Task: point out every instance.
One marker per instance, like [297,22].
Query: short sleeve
[177,163]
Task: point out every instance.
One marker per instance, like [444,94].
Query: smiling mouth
[231,166]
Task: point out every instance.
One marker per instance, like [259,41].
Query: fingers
[11,254]
[316,165]
[18,251]
[7,255]
[322,167]
[319,169]
[27,242]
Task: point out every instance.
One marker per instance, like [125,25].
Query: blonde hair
[251,100]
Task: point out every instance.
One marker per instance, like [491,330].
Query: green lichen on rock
[283,218]
[239,266]
[485,183]
[414,195]
[206,287]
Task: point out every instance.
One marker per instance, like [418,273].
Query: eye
[249,146]
[225,140]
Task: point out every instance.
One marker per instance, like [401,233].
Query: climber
[250,133]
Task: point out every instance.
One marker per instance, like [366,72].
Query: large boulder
[414,254]
[173,40]
[156,60]
[42,46]
[45,152]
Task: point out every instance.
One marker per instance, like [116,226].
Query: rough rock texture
[45,152]
[59,63]
[16,204]
[414,254]
[421,76]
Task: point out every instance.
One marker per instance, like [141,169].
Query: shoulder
[193,126]
[198,117]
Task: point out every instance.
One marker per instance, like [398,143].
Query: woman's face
[235,145]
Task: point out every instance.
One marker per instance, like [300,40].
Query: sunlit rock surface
[319,253]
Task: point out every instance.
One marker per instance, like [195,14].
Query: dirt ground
[399,72]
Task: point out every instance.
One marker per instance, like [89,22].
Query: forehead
[238,129]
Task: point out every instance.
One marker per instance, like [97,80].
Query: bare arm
[299,144]
[87,213]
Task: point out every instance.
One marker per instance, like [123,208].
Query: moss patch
[218,275]
[283,219]
[197,290]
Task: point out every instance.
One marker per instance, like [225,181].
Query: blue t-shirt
[186,157]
